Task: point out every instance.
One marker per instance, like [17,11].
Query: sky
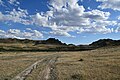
[71,21]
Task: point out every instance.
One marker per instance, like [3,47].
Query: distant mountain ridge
[105,43]
[52,41]
[51,44]
[15,40]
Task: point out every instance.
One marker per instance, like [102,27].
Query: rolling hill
[105,43]
[51,44]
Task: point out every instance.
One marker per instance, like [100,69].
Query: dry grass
[100,64]
[12,64]
[27,46]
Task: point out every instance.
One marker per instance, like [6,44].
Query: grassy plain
[99,64]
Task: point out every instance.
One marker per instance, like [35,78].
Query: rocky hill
[14,40]
[51,41]
[105,43]
[51,44]
[13,44]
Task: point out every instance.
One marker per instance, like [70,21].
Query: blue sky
[71,21]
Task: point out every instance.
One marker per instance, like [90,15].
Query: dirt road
[48,72]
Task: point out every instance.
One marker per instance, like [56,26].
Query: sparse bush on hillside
[76,77]
[80,60]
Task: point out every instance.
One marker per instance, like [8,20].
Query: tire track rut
[47,74]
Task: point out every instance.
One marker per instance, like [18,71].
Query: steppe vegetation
[98,64]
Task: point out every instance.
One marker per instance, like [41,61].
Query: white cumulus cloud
[1,3]
[16,16]
[68,16]
[16,33]
[14,2]
[112,4]
[64,16]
